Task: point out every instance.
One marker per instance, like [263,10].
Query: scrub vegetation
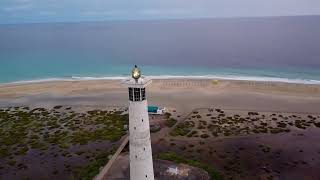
[207,123]
[170,122]
[92,169]
[57,131]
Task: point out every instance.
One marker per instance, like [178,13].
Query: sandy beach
[182,94]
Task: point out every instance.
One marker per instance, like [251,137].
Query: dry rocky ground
[249,145]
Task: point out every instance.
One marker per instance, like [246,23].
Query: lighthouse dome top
[136,73]
[137,80]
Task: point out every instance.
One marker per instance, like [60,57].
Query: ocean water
[264,49]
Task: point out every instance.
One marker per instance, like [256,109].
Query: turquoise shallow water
[30,71]
[264,49]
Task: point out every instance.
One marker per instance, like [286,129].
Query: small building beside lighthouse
[141,162]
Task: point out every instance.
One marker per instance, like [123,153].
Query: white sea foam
[39,81]
[241,78]
[218,77]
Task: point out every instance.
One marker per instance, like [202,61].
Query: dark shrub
[204,136]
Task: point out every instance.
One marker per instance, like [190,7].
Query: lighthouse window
[130,94]
[142,120]
[136,94]
[143,93]
[146,176]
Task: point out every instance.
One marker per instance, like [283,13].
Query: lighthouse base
[163,170]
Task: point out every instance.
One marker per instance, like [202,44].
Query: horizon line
[159,19]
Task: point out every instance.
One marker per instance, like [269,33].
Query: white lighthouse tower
[141,163]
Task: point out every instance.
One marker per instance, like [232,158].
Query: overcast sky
[25,11]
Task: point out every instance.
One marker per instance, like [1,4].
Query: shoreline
[173,77]
[187,82]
